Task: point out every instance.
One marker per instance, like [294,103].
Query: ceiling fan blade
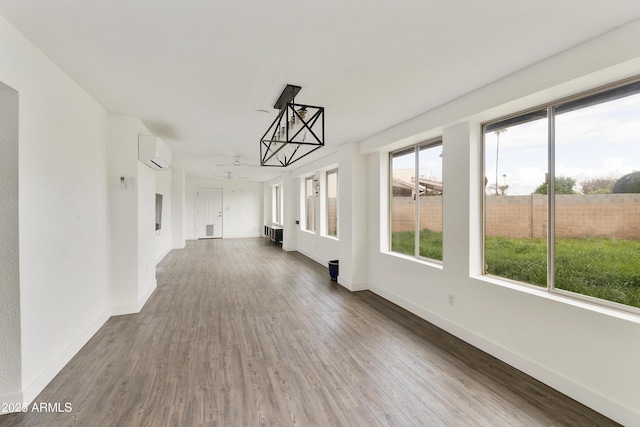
[236,162]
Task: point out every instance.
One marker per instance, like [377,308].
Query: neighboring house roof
[431,184]
[405,178]
[425,184]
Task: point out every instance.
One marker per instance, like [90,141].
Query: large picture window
[332,202]
[416,200]
[562,196]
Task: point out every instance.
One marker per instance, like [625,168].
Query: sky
[600,141]
[430,162]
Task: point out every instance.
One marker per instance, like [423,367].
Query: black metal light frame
[281,146]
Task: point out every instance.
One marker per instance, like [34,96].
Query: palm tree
[498,132]
[503,188]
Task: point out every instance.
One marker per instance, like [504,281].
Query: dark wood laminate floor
[241,333]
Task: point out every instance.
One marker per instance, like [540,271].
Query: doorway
[209,213]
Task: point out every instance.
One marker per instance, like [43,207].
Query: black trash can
[333,270]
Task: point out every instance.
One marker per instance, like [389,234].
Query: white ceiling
[197,71]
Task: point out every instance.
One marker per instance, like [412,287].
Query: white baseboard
[143,300]
[353,287]
[32,390]
[288,248]
[123,309]
[161,257]
[315,258]
[584,395]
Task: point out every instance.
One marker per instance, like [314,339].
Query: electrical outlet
[452,299]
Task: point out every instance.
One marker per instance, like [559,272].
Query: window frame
[305,226]
[326,180]
[416,148]
[595,96]
[277,204]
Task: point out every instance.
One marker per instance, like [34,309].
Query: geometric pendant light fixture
[297,131]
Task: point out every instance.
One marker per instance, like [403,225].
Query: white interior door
[209,213]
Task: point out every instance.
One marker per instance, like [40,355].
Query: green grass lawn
[603,268]
[430,243]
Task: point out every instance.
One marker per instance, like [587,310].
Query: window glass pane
[309,206]
[402,201]
[597,226]
[279,203]
[332,203]
[276,205]
[274,209]
[430,188]
[515,164]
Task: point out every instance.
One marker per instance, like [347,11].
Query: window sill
[564,297]
[331,237]
[423,261]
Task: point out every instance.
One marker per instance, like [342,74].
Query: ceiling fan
[229,175]
[237,162]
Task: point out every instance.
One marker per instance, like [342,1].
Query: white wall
[290,194]
[587,352]
[146,234]
[178,189]
[123,162]
[134,243]
[319,248]
[352,215]
[242,203]
[64,239]
[10,352]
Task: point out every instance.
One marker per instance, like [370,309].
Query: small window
[332,203]
[276,204]
[309,203]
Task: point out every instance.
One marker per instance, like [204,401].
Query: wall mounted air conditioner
[153,152]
